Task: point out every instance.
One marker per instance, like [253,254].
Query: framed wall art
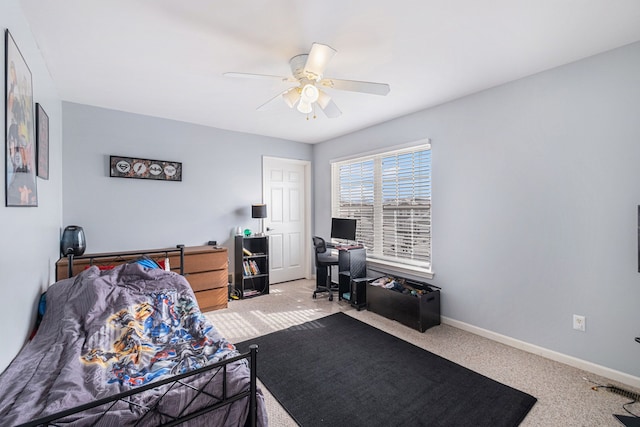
[20,141]
[42,142]
[128,167]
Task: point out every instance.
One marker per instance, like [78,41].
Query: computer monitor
[343,228]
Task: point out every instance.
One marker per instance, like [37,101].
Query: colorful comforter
[105,332]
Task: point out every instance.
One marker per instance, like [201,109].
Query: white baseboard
[549,354]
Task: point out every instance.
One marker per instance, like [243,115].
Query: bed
[129,346]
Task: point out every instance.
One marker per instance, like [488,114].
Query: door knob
[269,228]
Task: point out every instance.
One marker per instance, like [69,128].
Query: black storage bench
[414,304]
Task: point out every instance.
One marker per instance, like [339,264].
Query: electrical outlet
[579,323]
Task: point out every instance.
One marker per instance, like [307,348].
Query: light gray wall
[222,177]
[30,236]
[536,185]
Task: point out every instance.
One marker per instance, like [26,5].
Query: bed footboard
[153,408]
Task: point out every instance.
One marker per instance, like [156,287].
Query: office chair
[324,261]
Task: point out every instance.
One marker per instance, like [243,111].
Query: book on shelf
[254,267]
[250,268]
[250,293]
[247,252]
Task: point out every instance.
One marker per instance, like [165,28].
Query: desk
[352,264]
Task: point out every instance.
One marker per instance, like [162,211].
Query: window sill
[401,269]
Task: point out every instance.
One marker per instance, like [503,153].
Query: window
[390,196]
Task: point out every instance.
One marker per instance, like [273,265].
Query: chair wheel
[330,297]
[314,296]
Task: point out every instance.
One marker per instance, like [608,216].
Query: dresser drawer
[205,261]
[213,299]
[207,280]
[201,260]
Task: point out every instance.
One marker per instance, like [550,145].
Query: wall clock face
[170,170]
[139,168]
[123,167]
[155,169]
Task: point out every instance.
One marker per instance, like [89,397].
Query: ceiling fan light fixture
[309,94]
[291,96]
[304,107]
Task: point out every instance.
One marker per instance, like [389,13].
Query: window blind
[390,196]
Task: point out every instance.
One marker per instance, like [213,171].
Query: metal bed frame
[168,384]
[94,257]
[219,368]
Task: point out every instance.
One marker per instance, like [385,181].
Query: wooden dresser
[205,268]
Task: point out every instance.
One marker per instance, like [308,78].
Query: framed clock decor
[129,167]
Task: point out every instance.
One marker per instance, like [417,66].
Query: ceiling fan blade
[272,101]
[318,59]
[260,76]
[356,86]
[329,108]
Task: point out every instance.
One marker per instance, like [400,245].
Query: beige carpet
[565,398]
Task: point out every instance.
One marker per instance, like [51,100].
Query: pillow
[147,262]
[42,307]
[101,267]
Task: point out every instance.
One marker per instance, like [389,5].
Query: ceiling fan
[308,74]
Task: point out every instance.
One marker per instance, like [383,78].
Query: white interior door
[285,193]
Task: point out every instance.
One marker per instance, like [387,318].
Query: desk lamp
[259,211]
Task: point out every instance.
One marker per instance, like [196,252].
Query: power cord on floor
[628,411]
[620,391]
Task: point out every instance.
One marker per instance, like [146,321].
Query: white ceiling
[166,58]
